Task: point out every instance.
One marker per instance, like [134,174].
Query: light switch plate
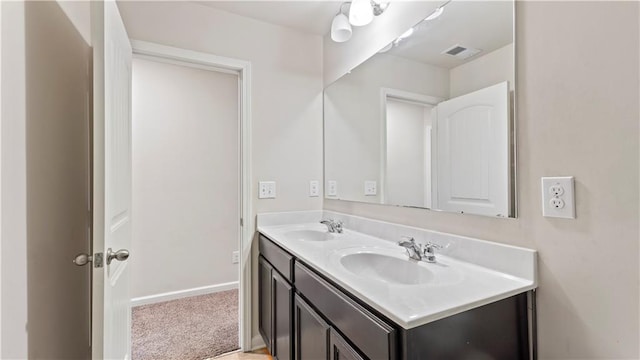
[370,188]
[558,197]
[332,188]
[267,190]
[314,188]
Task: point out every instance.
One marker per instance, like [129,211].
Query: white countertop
[463,285]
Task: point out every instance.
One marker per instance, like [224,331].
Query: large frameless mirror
[428,121]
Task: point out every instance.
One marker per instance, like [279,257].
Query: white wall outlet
[558,197]
[314,188]
[370,188]
[267,190]
[235,257]
[332,188]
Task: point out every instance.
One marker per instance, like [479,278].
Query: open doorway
[407,141]
[187,204]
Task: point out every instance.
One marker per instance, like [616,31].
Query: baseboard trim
[257,343]
[174,295]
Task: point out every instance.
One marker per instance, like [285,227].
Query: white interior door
[111,321]
[472,153]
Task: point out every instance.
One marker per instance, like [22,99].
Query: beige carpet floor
[194,328]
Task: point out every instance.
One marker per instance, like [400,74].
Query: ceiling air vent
[461,52]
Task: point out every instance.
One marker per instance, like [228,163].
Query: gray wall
[45,167]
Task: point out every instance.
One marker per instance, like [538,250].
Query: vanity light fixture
[437,12]
[360,13]
[340,27]
[379,6]
[406,34]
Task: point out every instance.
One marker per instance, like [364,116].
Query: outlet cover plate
[332,188]
[314,188]
[558,198]
[267,190]
[370,188]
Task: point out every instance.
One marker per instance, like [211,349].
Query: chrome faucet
[333,226]
[418,251]
[413,250]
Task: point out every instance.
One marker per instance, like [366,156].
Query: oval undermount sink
[309,235]
[386,268]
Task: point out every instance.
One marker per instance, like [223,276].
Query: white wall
[185,178]
[586,118]
[353,118]
[489,69]
[286,75]
[286,89]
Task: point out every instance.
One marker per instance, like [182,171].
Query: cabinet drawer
[374,337]
[279,258]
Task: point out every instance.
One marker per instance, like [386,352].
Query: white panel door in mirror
[472,153]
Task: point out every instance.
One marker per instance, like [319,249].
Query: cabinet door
[282,298]
[340,349]
[311,332]
[264,302]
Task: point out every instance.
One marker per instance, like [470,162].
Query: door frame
[207,61]
[400,95]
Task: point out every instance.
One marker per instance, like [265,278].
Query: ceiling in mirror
[482,25]
[428,121]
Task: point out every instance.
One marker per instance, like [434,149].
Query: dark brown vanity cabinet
[339,349]
[264,302]
[311,332]
[305,316]
[275,300]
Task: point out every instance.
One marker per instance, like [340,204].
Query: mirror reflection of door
[408,153]
[472,153]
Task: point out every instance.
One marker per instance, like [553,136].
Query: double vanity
[358,294]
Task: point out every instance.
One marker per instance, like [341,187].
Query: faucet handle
[430,248]
[338,226]
[429,252]
[407,238]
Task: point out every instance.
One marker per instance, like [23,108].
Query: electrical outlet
[370,188]
[558,197]
[267,190]
[235,257]
[332,188]
[556,203]
[556,190]
[314,188]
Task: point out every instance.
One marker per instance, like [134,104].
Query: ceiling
[484,25]
[307,16]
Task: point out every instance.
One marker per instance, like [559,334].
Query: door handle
[82,259]
[120,255]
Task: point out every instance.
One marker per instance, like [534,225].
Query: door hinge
[98,260]
[241,222]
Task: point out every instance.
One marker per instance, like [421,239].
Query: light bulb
[360,13]
[437,12]
[406,34]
